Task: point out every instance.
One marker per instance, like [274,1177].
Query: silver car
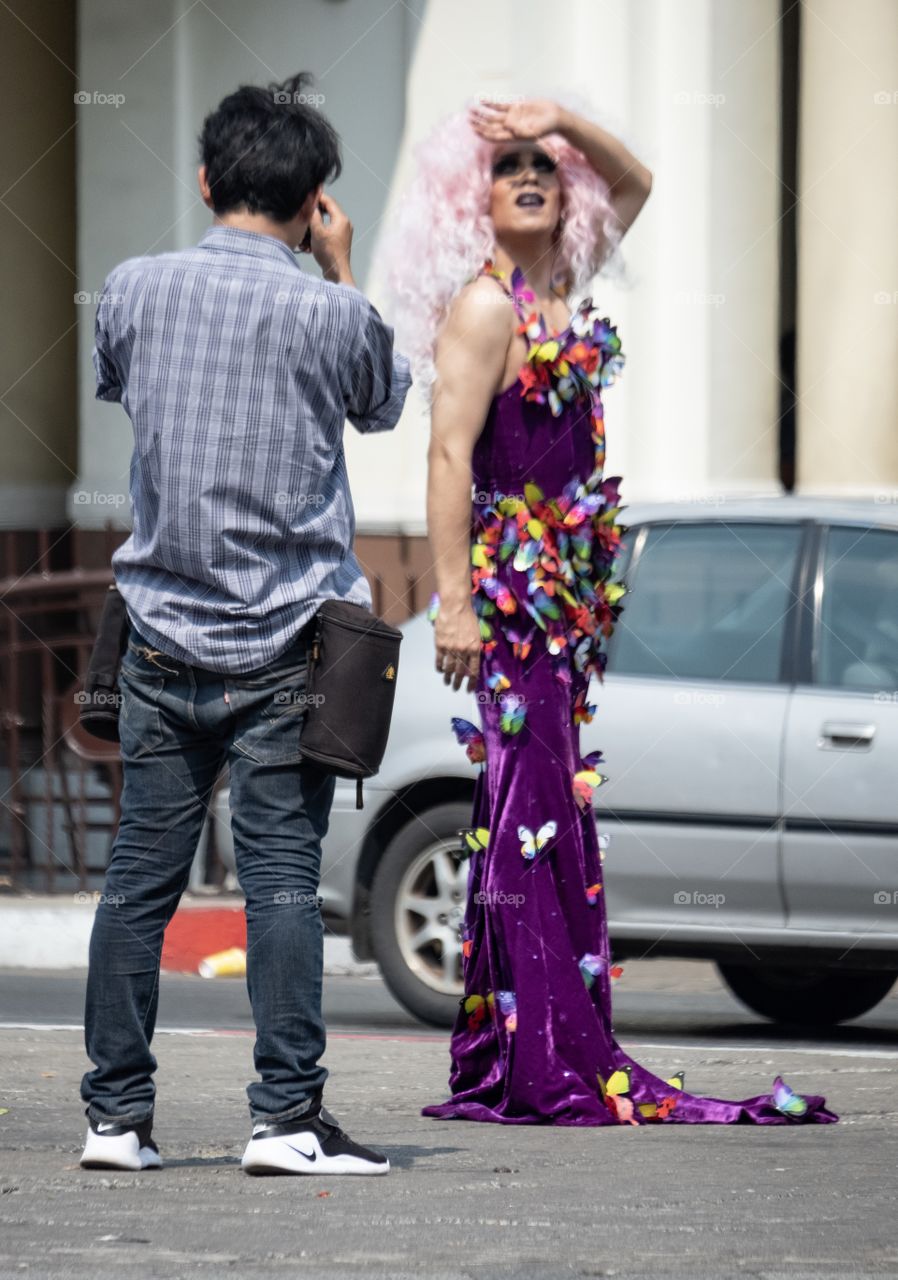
[749,724]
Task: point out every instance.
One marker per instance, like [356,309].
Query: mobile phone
[305,244]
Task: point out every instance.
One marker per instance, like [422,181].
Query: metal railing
[60,788]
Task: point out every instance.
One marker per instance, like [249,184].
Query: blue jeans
[178,725]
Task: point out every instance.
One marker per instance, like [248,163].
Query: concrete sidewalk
[463,1199]
[53,932]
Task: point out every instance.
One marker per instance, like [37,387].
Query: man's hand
[332,241]
[457,639]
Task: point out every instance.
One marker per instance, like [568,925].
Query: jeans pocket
[289,692]
[140,725]
[271,729]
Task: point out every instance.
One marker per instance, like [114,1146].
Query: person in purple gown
[513,209]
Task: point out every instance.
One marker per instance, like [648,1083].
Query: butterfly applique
[474,840]
[470,737]
[658,1110]
[478,1009]
[533,843]
[583,710]
[786,1100]
[585,782]
[521,640]
[592,893]
[499,592]
[508,1006]
[614,1091]
[512,714]
[591,966]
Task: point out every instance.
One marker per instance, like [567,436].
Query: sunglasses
[513,163]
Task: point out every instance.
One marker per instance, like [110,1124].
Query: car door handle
[842,735]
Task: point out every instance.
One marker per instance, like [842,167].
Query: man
[238,370]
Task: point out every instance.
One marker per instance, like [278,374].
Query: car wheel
[806,997]
[417,904]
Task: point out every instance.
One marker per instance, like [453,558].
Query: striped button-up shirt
[238,371]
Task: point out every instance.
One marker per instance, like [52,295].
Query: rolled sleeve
[381,378]
[109,384]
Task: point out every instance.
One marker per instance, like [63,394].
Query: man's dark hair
[268,149]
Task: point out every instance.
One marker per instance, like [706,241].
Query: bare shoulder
[481,314]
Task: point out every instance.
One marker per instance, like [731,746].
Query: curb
[53,933]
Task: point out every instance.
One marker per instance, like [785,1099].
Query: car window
[857,639]
[708,601]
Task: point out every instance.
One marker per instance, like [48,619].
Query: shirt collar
[254,243]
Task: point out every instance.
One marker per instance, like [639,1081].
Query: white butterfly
[531,843]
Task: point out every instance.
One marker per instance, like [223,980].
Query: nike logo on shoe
[101,1128]
[310,1156]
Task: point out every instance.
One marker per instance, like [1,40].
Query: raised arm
[470,360]
[629,181]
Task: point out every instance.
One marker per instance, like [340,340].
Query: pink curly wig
[443,232]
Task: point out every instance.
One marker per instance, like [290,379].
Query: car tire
[413,976]
[807,997]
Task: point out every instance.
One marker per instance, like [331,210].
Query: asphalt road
[665,1000]
[462,1200]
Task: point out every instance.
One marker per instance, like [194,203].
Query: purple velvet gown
[533,1040]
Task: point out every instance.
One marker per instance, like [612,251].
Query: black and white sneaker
[111,1145]
[307,1144]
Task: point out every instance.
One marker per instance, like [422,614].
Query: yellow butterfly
[476,838]
[618,1082]
[613,1092]
[545,352]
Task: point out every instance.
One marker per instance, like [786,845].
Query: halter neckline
[523,296]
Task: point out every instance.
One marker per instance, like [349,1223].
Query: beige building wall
[848,248]
[692,87]
[693,90]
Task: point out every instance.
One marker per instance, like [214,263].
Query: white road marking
[628,1045]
